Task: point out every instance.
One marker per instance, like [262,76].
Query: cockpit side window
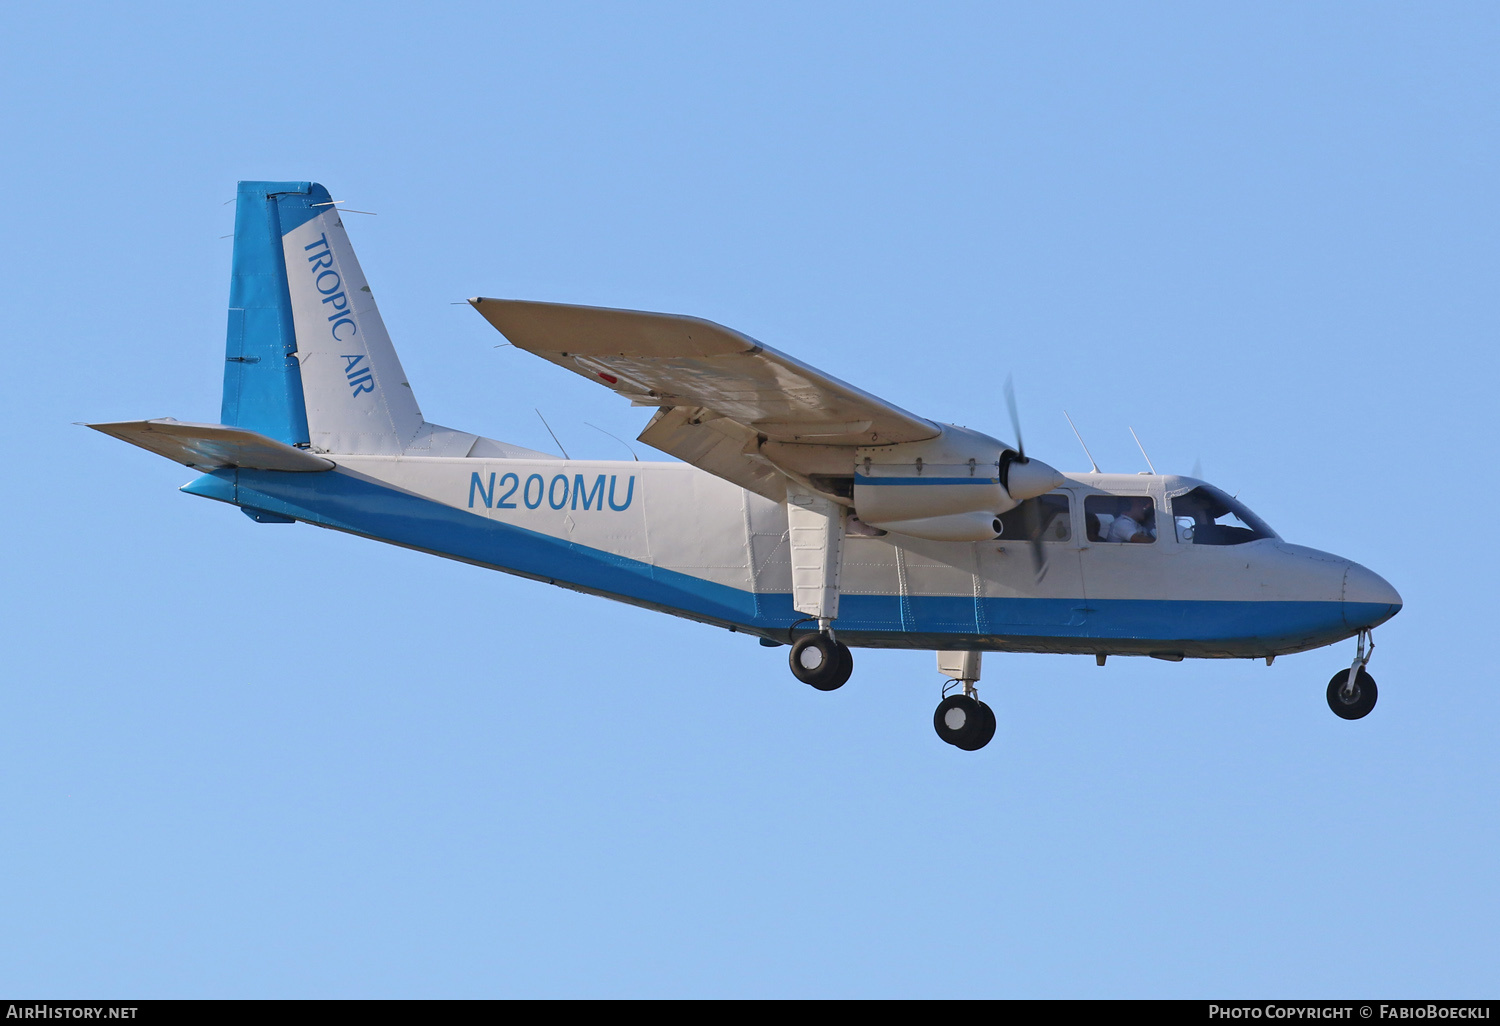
[1206,516]
[1120,518]
[1044,518]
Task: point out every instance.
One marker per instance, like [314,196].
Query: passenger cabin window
[1120,518]
[1044,518]
[1206,516]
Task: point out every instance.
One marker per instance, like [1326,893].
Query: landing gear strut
[963,720]
[1352,692]
[819,660]
[815,532]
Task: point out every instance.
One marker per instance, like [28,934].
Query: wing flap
[213,446]
[717,446]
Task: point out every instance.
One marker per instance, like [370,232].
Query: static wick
[344,210]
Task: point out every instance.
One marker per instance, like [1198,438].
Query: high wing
[720,391]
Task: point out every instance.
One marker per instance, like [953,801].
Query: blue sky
[243,760]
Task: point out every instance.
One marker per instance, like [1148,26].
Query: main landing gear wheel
[964,722]
[1352,705]
[818,660]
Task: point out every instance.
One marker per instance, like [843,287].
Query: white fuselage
[674,538]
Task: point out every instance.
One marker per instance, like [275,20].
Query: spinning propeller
[1030,509]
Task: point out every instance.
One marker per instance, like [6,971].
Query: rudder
[262,377]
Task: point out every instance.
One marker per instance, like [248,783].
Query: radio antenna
[616,437]
[1141,447]
[550,432]
[1081,442]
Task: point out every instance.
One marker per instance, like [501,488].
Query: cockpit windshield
[1206,516]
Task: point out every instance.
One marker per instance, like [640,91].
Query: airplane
[805,512]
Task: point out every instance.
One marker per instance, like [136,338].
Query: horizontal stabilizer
[213,446]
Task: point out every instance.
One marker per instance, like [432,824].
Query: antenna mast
[1141,447]
[550,432]
[1080,442]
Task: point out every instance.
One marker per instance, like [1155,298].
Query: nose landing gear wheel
[964,722]
[1352,706]
[818,660]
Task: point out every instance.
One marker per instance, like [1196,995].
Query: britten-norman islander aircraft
[805,511]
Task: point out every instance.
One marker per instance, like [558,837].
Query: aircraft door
[1126,534]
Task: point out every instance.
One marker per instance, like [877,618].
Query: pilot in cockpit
[1136,524]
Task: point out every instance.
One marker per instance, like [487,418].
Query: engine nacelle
[958,472]
[959,527]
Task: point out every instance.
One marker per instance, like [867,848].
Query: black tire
[960,721]
[847,659]
[818,660]
[986,730]
[1360,703]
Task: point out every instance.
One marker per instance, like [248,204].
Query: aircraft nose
[1369,598]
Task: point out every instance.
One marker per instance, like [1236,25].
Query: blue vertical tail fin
[262,378]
